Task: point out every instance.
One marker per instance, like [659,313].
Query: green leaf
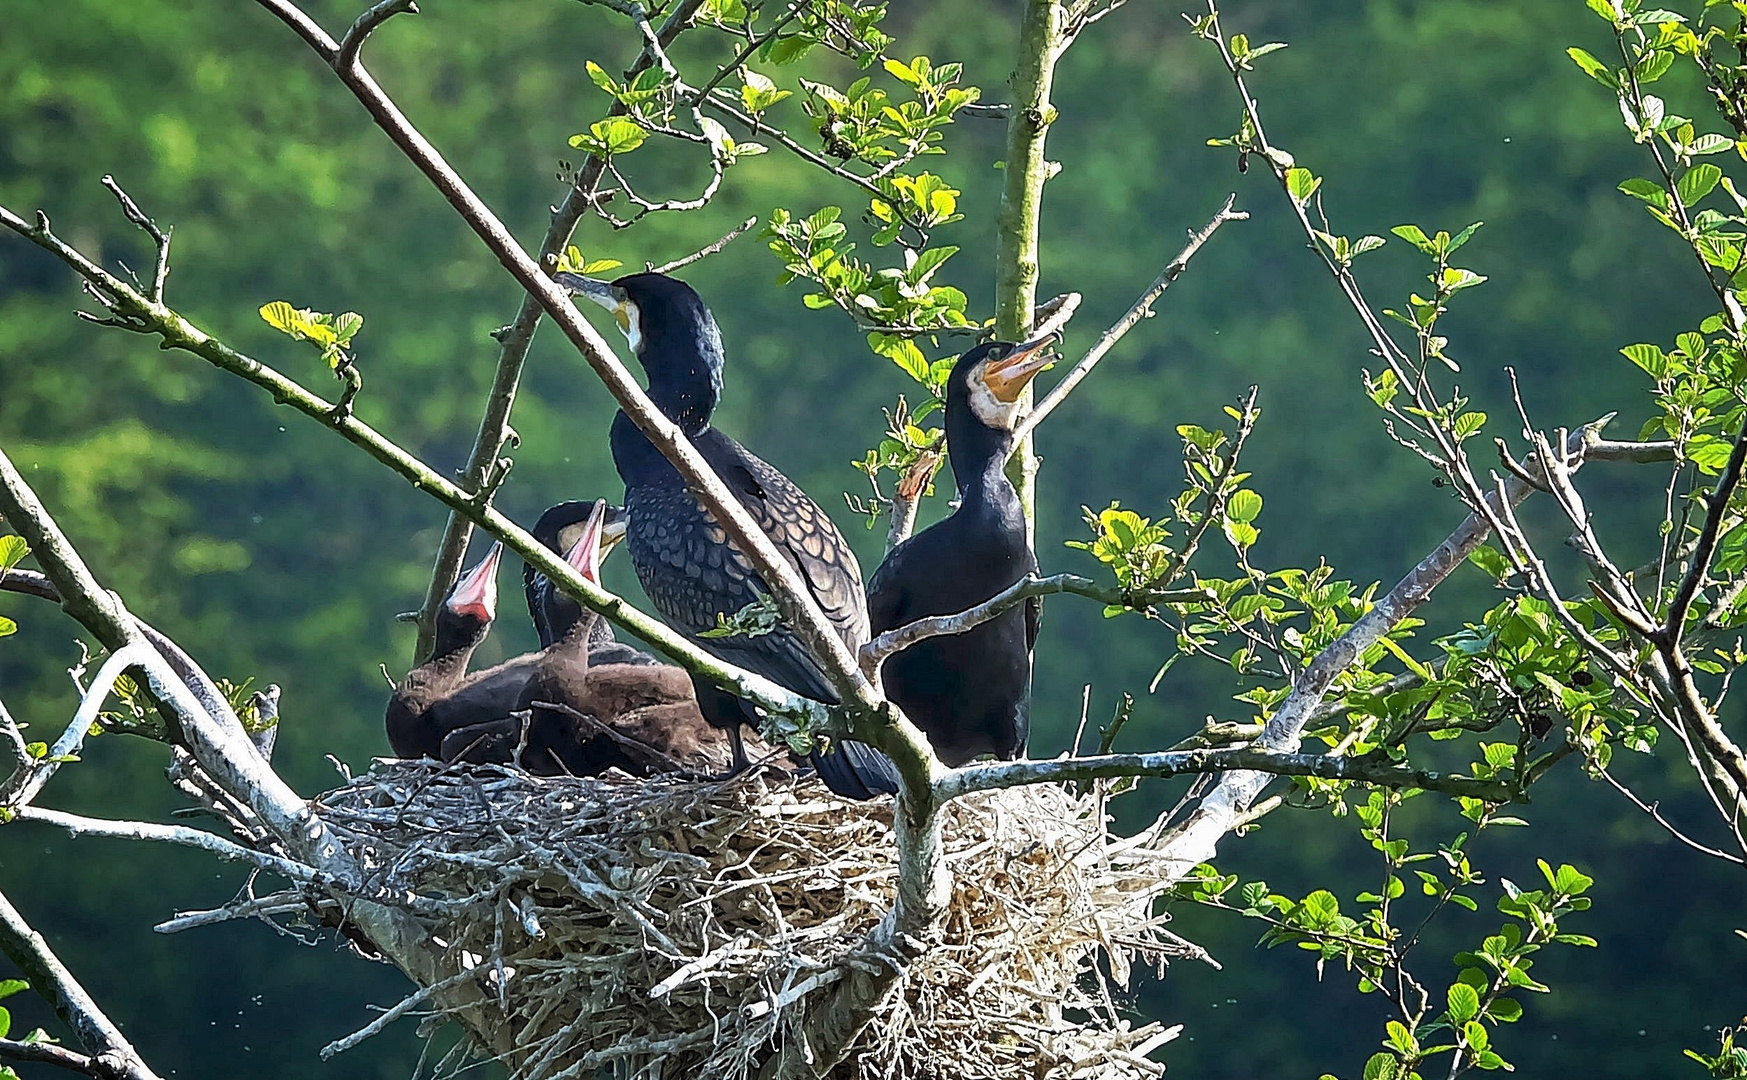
[1594,68]
[1604,8]
[1697,182]
[1416,236]
[1469,424]
[282,317]
[1505,1010]
[786,50]
[927,262]
[1244,506]
[1382,1067]
[1709,452]
[8,987]
[5,1023]
[13,549]
[601,78]
[7,627]
[1649,357]
[1464,1003]
[1301,184]
[619,135]
[1491,560]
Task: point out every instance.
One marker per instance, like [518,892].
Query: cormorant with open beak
[439,694]
[689,568]
[559,528]
[578,714]
[971,691]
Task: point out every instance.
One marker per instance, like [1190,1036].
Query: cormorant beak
[585,555]
[476,593]
[612,532]
[1008,376]
[606,295]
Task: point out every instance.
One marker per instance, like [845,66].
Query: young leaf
[1697,182]
[1301,184]
[13,549]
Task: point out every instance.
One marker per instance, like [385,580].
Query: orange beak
[476,593]
[585,554]
[1008,376]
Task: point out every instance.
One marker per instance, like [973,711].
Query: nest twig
[666,928]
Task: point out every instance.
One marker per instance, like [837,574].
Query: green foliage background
[270,548]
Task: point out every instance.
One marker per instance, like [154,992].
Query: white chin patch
[632,325]
[990,409]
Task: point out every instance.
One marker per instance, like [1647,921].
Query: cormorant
[439,694]
[970,692]
[559,528]
[579,715]
[688,567]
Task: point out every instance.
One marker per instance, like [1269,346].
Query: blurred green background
[268,547]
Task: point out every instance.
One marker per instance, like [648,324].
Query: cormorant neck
[685,377]
[977,451]
[456,640]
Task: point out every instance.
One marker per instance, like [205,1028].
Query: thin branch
[703,253]
[1190,762]
[160,237]
[183,836]
[876,652]
[44,1053]
[1711,531]
[1141,309]
[29,583]
[907,497]
[1655,812]
[751,47]
[112,1056]
[73,738]
[366,25]
[1054,314]
[514,342]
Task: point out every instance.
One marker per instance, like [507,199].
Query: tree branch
[1008,774]
[514,342]
[1043,38]
[703,253]
[366,25]
[112,1056]
[1141,309]
[877,651]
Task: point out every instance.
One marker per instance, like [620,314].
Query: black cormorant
[689,568]
[559,528]
[970,692]
[439,694]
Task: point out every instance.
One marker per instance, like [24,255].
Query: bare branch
[907,497]
[1711,531]
[112,1056]
[181,835]
[1054,314]
[366,25]
[877,651]
[160,237]
[30,781]
[1655,812]
[1189,762]
[1141,309]
[703,253]
[44,1053]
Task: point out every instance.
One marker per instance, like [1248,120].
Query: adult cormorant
[689,568]
[970,692]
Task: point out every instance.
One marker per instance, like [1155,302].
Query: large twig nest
[661,928]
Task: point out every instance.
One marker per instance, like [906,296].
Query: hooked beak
[476,593]
[601,292]
[1008,376]
[586,554]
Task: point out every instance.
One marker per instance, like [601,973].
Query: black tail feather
[856,771]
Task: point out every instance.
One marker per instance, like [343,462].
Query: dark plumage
[439,695]
[578,714]
[970,692]
[688,567]
[559,528]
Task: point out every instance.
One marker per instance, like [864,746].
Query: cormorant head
[673,334]
[471,606]
[982,404]
[562,525]
[586,533]
[987,380]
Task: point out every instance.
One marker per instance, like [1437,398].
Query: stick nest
[664,928]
